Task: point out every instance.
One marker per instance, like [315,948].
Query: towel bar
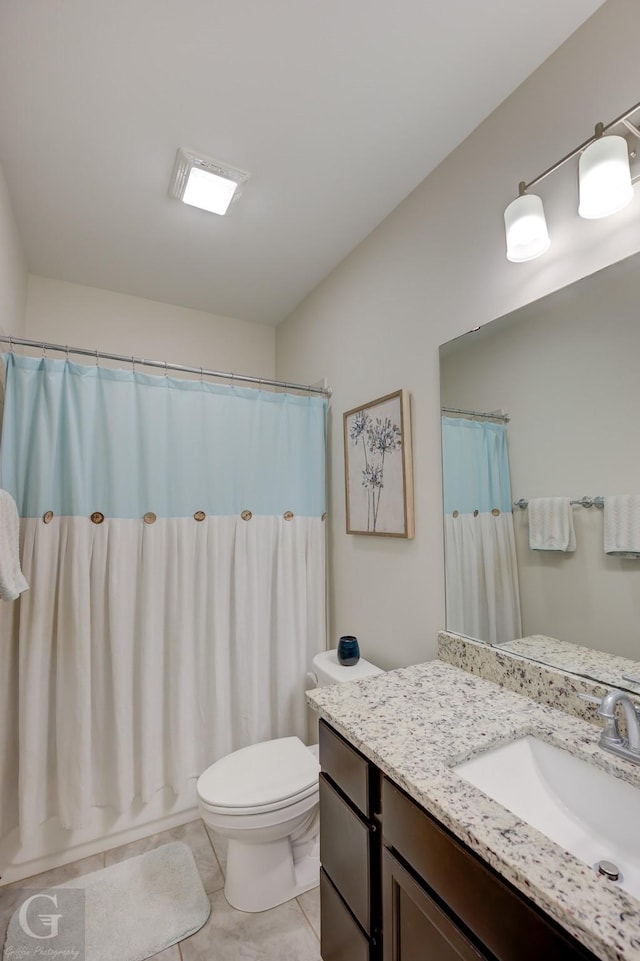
[598,502]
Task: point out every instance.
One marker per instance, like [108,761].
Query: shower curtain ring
[44,351]
[11,347]
[133,364]
[97,358]
[166,369]
[201,376]
[66,352]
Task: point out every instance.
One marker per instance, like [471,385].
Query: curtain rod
[143,362]
[475,413]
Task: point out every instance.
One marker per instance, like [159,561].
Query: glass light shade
[526,229]
[204,182]
[605,178]
[208,191]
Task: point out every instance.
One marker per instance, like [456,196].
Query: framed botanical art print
[378,469]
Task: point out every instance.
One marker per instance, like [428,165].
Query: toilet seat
[263,777]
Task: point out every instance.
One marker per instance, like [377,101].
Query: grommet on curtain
[288,515]
[246,515]
[199,516]
[150,518]
[456,514]
[47,517]
[97,517]
[476,512]
[495,512]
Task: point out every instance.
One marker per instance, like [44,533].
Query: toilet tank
[329,670]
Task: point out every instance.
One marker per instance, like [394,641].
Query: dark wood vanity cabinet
[398,886]
[350,850]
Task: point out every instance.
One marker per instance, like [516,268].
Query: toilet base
[261,876]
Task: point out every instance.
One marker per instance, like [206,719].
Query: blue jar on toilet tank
[348,650]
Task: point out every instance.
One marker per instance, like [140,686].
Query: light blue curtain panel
[475,466]
[83,438]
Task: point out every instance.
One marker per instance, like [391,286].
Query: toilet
[264,800]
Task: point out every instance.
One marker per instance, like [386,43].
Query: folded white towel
[551,524]
[622,525]
[12,582]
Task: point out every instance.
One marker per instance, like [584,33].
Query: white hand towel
[551,524]
[622,525]
[12,582]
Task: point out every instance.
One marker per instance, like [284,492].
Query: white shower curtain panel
[145,652]
[481,574]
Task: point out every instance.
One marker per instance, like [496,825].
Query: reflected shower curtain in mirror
[173,542]
[481,575]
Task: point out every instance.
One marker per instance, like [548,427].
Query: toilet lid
[260,775]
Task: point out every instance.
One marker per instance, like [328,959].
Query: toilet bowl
[264,800]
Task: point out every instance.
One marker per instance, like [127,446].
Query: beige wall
[13,268]
[565,369]
[432,270]
[66,313]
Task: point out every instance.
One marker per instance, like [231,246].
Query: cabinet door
[415,928]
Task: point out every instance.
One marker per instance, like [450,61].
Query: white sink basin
[589,813]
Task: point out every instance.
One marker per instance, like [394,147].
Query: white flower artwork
[377,441]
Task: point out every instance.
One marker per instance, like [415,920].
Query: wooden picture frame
[378,467]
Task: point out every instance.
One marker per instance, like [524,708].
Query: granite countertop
[415,723]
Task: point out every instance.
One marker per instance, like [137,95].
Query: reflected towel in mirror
[622,525]
[551,524]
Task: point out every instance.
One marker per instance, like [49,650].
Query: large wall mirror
[565,371]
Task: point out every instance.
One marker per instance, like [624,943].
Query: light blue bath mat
[127,912]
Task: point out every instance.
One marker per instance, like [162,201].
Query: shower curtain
[173,542]
[481,575]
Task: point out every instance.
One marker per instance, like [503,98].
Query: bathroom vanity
[418,863]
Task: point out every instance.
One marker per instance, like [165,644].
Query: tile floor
[289,932]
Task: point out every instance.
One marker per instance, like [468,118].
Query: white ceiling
[337,108]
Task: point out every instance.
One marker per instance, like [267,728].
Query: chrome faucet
[611,739]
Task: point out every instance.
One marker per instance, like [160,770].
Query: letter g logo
[49,921]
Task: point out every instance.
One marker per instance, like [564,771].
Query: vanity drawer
[340,937]
[345,851]
[348,769]
[496,914]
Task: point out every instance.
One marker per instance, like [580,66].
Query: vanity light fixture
[605,176]
[205,183]
[526,227]
[605,186]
